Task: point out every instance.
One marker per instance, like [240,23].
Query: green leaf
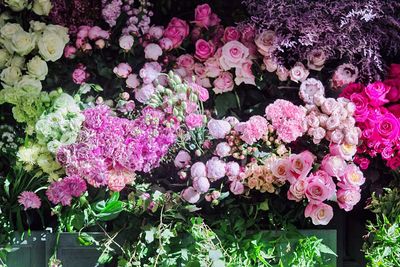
[86,240]
[325,249]
[225,102]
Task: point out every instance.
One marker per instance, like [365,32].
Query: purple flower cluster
[62,191]
[109,150]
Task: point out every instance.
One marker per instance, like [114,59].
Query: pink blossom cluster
[62,192]
[333,120]
[111,10]
[109,150]
[29,200]
[377,114]
[138,23]
[288,120]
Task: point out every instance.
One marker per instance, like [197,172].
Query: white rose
[30,84]
[4,57]
[8,30]
[37,68]
[37,26]
[41,7]
[16,5]
[10,75]
[16,61]
[60,31]
[23,43]
[51,46]
[152,51]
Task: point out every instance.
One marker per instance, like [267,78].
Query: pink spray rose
[204,49]
[182,159]
[122,70]
[198,170]
[218,128]
[194,120]
[215,169]
[320,213]
[234,54]
[224,83]
[298,73]
[345,151]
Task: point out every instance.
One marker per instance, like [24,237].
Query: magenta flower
[29,200]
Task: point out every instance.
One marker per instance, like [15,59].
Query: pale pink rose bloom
[198,170]
[204,49]
[122,70]
[301,164]
[244,74]
[191,195]
[282,73]
[319,99]
[309,88]
[232,169]
[346,151]
[352,136]
[166,44]
[212,67]
[201,184]
[348,198]
[312,120]
[215,169]
[182,159]
[297,190]
[218,128]
[266,43]
[320,214]
[333,165]
[316,59]
[132,81]
[156,32]
[236,187]
[280,168]
[332,122]
[126,42]
[234,53]
[317,191]
[319,133]
[298,73]
[233,121]
[200,70]
[202,15]
[352,176]
[224,83]
[144,93]
[186,61]
[223,149]
[271,64]
[152,51]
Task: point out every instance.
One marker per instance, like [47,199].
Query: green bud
[193,97]
[175,111]
[184,105]
[177,79]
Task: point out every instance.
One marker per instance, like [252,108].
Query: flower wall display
[113,122]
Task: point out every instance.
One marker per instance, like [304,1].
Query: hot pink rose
[191,195]
[182,159]
[218,128]
[333,165]
[202,15]
[204,49]
[394,94]
[394,162]
[176,31]
[351,89]
[194,120]
[201,184]
[361,103]
[198,170]
[387,127]
[236,187]
[224,83]
[376,93]
[215,169]
[320,213]
[234,54]
[122,70]
[231,34]
[395,109]
[348,198]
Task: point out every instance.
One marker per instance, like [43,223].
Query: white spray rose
[37,68]
[10,75]
[42,7]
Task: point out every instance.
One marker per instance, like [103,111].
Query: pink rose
[352,176]
[333,165]
[156,32]
[348,198]
[185,61]
[194,121]
[244,74]
[218,128]
[387,127]
[316,60]
[79,76]
[132,81]
[212,67]
[176,31]
[224,83]
[166,44]
[204,49]
[234,54]
[271,65]
[126,42]
[215,169]
[309,88]
[97,33]
[232,169]
[320,213]
[201,184]
[394,94]
[201,91]
[191,195]
[376,93]
[236,187]
[198,170]
[152,51]
[231,34]
[298,73]
[393,162]
[182,159]
[345,151]
[344,75]
[318,190]
[223,150]
[361,103]
[69,52]
[266,43]
[297,190]
[280,168]
[122,70]
[144,93]
[301,164]
[248,33]
[202,15]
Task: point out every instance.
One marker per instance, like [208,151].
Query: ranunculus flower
[204,49]
[333,165]
[298,73]
[152,51]
[224,83]
[201,184]
[191,195]
[202,15]
[194,120]
[122,70]
[182,159]
[236,187]
[266,43]
[231,34]
[215,169]
[348,198]
[198,169]
[233,55]
[223,149]
[126,42]
[218,128]
[320,213]
[316,59]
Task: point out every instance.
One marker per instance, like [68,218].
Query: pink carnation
[29,200]
[194,120]
[252,130]
[58,193]
[75,184]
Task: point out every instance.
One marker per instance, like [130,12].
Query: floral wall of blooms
[165,133]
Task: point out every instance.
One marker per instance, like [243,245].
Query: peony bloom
[191,195]
[232,170]
[215,169]
[122,70]
[182,159]
[144,93]
[126,42]
[320,214]
[201,184]
[233,55]
[132,81]
[218,128]
[152,51]
[29,200]
[198,170]
[348,198]
[223,150]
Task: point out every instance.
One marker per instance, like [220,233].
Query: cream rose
[37,68]
[51,45]
[16,5]
[37,26]
[266,43]
[23,43]
[4,57]
[28,83]
[8,30]
[42,7]
[10,75]
[16,61]
[60,31]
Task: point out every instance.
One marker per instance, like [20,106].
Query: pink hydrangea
[29,200]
